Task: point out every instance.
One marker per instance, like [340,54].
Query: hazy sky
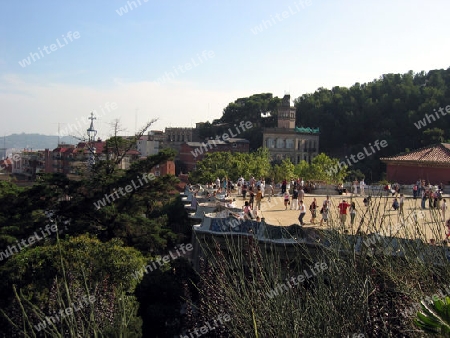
[184,61]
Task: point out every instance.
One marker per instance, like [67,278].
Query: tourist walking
[355,187]
[294,203]
[325,209]
[400,204]
[361,187]
[302,209]
[247,211]
[430,199]
[313,209]
[252,197]
[352,211]
[286,199]
[269,191]
[395,204]
[258,198]
[424,198]
[217,184]
[415,189]
[244,190]
[443,208]
[301,194]
[283,186]
[343,212]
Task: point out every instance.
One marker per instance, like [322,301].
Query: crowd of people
[293,195]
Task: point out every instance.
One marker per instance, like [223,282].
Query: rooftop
[437,153]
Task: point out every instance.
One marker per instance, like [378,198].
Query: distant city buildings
[284,141]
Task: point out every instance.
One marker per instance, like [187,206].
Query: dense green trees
[119,209]
[388,108]
[257,164]
[231,165]
[259,109]
[391,108]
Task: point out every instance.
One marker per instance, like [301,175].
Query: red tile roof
[438,153]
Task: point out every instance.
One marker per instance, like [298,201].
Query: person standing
[352,211]
[415,189]
[224,186]
[355,187]
[302,209]
[258,198]
[217,184]
[424,198]
[443,208]
[269,191]
[313,209]
[361,187]
[430,199]
[247,211]
[286,199]
[343,212]
[301,194]
[294,203]
[395,204]
[325,208]
[252,197]
[400,204]
[244,189]
[283,186]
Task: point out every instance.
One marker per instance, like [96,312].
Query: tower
[92,133]
[286,113]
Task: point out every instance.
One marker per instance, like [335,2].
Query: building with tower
[289,141]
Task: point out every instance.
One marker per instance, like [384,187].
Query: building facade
[431,164]
[287,140]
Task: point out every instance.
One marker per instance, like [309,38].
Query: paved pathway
[379,217]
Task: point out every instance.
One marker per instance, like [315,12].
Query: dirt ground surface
[379,217]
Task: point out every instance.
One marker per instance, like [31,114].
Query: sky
[183,62]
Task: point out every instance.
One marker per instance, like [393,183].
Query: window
[280,143]
[290,143]
[270,143]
